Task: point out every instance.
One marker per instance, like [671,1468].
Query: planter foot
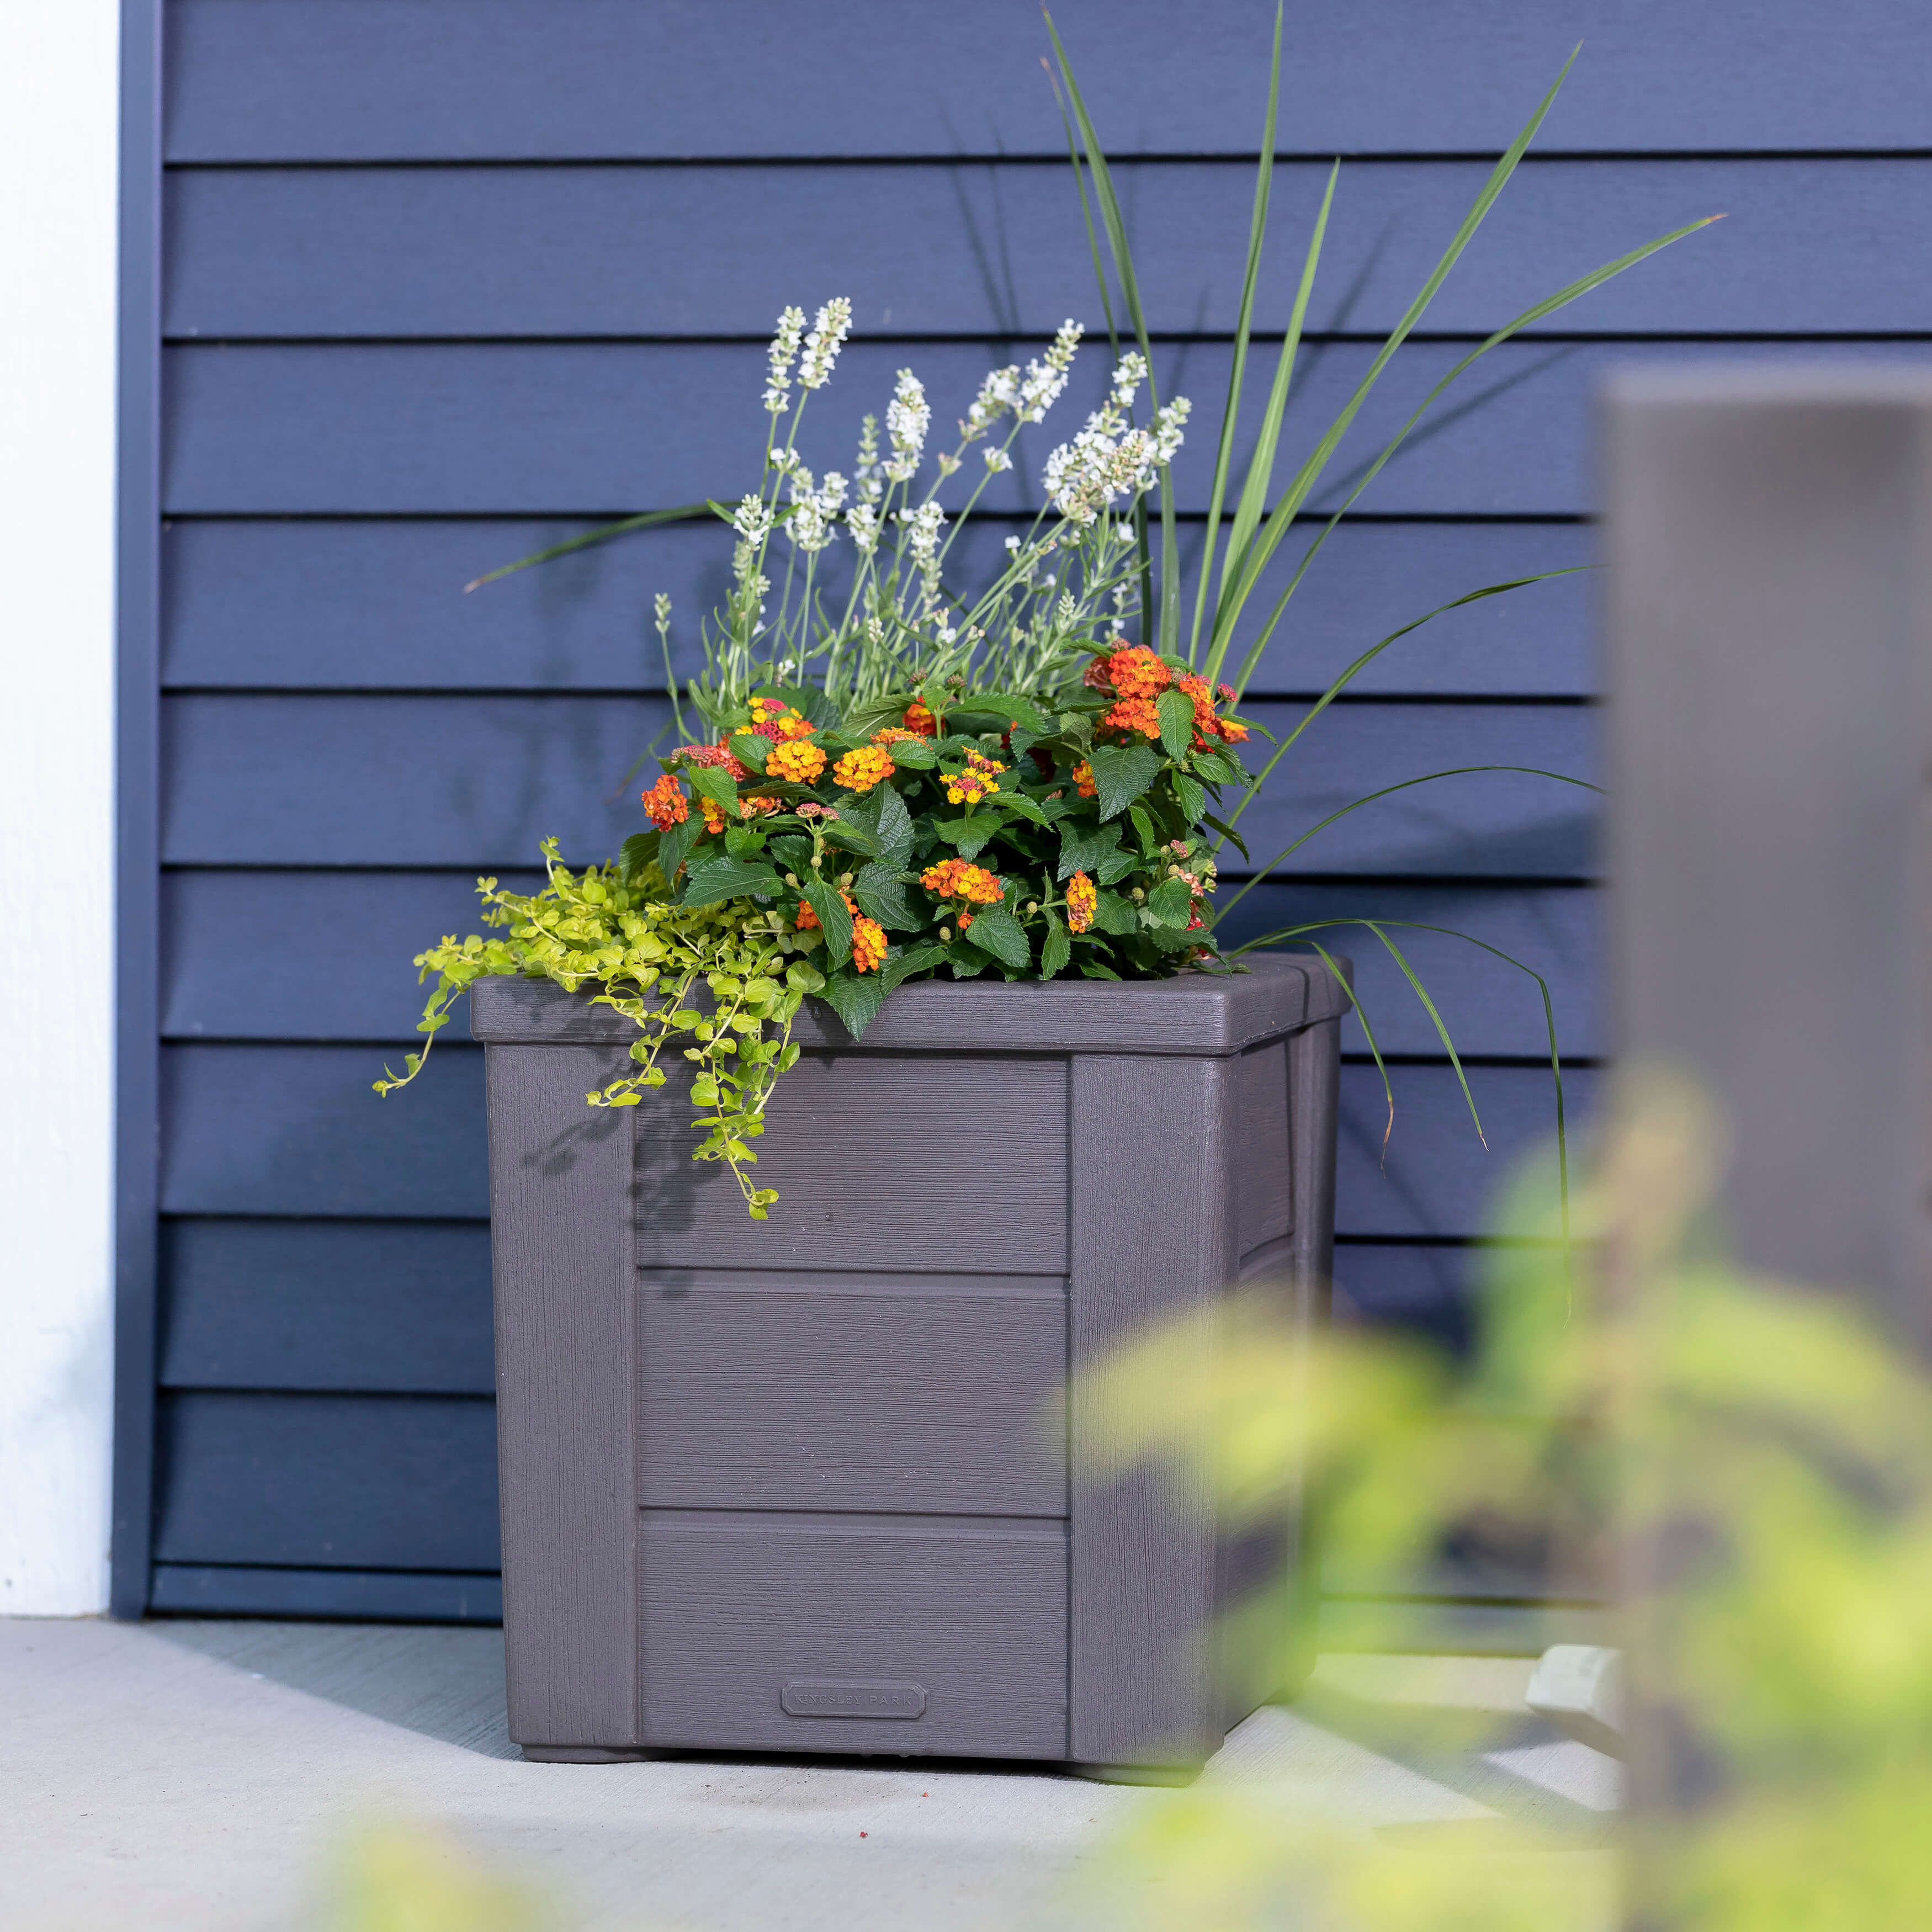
[584,1753]
[1173,1775]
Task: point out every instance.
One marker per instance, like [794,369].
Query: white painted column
[58,137]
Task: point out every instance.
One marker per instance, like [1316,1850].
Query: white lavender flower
[998,393]
[907,417]
[752,520]
[784,347]
[1128,374]
[998,460]
[1169,422]
[923,528]
[863,520]
[830,329]
[866,478]
[1106,460]
[1046,378]
[814,513]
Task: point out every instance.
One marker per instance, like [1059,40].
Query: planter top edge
[1198,1014]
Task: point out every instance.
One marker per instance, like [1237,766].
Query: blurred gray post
[1769,543]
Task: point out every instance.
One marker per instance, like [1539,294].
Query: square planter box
[810,1484]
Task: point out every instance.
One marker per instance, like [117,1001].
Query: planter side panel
[1154,1238]
[561,1179]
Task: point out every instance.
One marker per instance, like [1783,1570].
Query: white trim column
[59,140]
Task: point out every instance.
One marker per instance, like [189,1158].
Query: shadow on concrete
[438,1681]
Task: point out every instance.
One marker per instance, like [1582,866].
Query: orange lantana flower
[797,759]
[919,721]
[1082,899]
[1137,672]
[664,804]
[1083,780]
[860,770]
[954,879]
[868,944]
[1134,714]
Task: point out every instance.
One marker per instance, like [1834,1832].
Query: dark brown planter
[804,1485]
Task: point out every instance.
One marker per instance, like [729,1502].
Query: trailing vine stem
[708,976]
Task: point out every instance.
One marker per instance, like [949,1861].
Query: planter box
[807,1484]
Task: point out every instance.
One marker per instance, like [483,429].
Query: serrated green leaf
[1175,710]
[1171,902]
[713,782]
[636,852]
[837,921]
[966,963]
[914,754]
[970,837]
[917,959]
[881,897]
[1144,831]
[1121,772]
[894,826]
[852,838]
[675,844]
[1214,768]
[743,841]
[793,852]
[1191,798]
[856,998]
[1055,950]
[1113,913]
[750,748]
[714,880]
[1094,970]
[1012,709]
[996,931]
[1083,848]
[1116,866]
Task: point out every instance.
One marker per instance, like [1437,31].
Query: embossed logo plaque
[831,1697]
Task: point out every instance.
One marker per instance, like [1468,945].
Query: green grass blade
[1374,651]
[1114,223]
[1261,465]
[1427,777]
[596,536]
[1508,959]
[1289,503]
[1086,214]
[1574,291]
[1224,450]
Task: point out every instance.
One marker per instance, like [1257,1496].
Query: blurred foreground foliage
[1747,1464]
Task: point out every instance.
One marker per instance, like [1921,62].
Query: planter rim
[1198,1014]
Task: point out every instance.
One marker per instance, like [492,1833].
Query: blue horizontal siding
[457,781]
[1808,246]
[356,79]
[388,1307]
[348,1482]
[368,604]
[295,1131]
[339,477]
[386,1596]
[292,1131]
[322,956]
[572,429]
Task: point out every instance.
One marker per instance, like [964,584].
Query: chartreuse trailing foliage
[898,779]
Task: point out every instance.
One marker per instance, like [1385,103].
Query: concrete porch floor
[203,1775]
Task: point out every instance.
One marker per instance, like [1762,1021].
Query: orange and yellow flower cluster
[868,937]
[954,879]
[859,771]
[798,759]
[1082,899]
[979,780]
[1136,676]
[664,804]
